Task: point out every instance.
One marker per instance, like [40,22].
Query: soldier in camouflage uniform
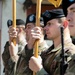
[8,62]
[22,65]
[69,8]
[49,62]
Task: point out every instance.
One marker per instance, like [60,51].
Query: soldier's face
[20,28]
[52,29]
[71,18]
[21,33]
[28,28]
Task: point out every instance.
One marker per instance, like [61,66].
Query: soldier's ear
[65,24]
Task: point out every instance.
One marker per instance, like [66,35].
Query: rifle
[63,62]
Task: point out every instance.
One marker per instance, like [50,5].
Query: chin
[49,38]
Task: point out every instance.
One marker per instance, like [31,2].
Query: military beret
[9,23]
[18,22]
[66,4]
[52,14]
[32,19]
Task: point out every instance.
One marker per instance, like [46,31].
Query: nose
[20,29]
[69,17]
[26,30]
[45,28]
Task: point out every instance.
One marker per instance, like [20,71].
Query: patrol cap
[66,4]
[32,19]
[52,14]
[18,22]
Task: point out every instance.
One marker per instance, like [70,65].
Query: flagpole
[38,13]
[14,17]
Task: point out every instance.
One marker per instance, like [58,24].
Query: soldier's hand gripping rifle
[63,55]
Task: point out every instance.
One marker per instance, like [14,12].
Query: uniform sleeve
[5,54]
[42,72]
[42,46]
[7,62]
[14,58]
[71,67]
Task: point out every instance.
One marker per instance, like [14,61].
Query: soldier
[49,62]
[22,64]
[69,8]
[9,60]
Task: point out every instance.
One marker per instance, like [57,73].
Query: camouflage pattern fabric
[51,61]
[8,63]
[71,67]
[22,65]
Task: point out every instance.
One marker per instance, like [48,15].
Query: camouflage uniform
[71,67]
[51,59]
[22,65]
[9,64]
